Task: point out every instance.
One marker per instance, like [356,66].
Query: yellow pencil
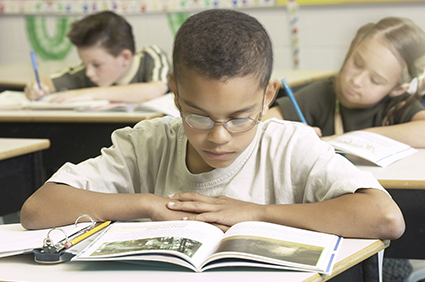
[86,234]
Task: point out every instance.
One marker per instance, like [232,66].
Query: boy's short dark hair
[222,44]
[106,28]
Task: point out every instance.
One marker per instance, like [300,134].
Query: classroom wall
[325,31]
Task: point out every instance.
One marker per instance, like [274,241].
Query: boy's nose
[219,134]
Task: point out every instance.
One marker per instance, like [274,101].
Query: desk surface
[55,116]
[13,147]
[407,173]
[18,75]
[296,78]
[23,268]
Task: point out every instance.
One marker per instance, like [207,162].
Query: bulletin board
[78,7]
[324,2]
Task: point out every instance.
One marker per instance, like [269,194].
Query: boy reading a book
[105,45]
[219,163]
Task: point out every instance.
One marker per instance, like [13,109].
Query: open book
[163,104]
[201,246]
[375,148]
[16,100]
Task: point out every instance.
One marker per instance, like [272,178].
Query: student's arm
[368,213]
[58,204]
[411,133]
[33,91]
[131,93]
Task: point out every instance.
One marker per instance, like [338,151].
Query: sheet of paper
[15,239]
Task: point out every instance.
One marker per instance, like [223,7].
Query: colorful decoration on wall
[292,10]
[175,20]
[48,47]
[79,7]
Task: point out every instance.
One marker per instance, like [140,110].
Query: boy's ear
[172,83]
[172,86]
[270,95]
[127,56]
[399,90]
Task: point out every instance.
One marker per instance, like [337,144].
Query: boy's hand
[72,96]
[33,91]
[160,212]
[220,211]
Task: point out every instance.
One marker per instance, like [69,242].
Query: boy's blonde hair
[406,40]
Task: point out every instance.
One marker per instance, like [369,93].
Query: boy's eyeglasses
[234,125]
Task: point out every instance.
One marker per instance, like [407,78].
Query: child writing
[105,45]
[218,162]
[369,93]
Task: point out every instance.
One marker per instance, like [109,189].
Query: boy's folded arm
[135,92]
[56,204]
[368,213]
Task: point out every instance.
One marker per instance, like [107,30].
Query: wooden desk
[74,136]
[21,171]
[16,76]
[405,181]
[298,78]
[347,268]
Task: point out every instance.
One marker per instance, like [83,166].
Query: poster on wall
[324,2]
[78,7]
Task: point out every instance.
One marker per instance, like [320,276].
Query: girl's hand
[220,211]
[326,138]
[317,130]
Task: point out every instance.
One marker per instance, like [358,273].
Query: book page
[163,104]
[190,240]
[373,147]
[46,104]
[17,100]
[280,245]
[12,100]
[111,107]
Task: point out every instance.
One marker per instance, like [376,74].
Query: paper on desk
[163,104]
[372,147]
[16,100]
[12,100]
[16,240]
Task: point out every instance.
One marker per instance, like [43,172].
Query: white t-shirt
[285,163]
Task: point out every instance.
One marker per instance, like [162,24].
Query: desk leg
[367,271]
[39,175]
[19,178]
[371,268]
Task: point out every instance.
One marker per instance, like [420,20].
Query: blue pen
[34,65]
[294,102]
